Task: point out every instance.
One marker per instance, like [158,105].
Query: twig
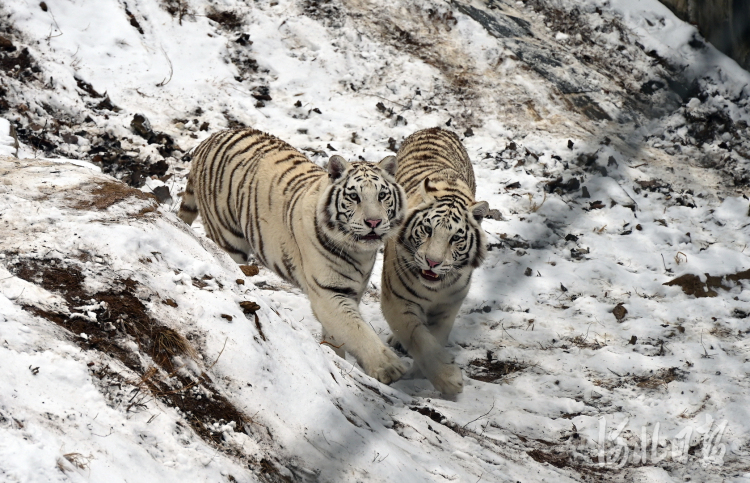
[328,343]
[613,372]
[171,70]
[705,355]
[480,417]
[665,264]
[220,353]
[385,99]
[504,330]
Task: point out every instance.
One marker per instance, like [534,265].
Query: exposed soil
[492,370]
[122,317]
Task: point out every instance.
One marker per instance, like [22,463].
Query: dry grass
[76,459]
[168,343]
[107,193]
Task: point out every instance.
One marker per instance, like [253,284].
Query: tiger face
[442,238]
[363,204]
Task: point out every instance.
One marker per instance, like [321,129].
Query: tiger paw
[386,367]
[448,379]
[394,342]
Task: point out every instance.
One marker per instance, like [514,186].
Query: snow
[665,199]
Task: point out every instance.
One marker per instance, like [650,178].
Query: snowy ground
[612,141]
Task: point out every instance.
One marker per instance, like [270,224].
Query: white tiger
[318,230]
[427,269]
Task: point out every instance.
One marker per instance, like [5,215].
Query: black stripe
[343,291]
[188,208]
[326,243]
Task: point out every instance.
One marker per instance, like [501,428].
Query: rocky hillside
[604,339]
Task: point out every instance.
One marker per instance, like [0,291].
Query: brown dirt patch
[492,370]
[107,193]
[662,377]
[120,318]
[228,19]
[692,285]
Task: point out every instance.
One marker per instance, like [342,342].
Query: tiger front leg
[428,352]
[343,326]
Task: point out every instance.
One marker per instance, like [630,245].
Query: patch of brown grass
[123,317]
[489,370]
[107,193]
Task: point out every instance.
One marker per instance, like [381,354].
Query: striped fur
[319,230]
[427,268]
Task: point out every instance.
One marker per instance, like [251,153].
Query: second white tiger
[320,231]
[427,269]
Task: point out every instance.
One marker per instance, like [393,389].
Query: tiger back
[427,269]
[317,229]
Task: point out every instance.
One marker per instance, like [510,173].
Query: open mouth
[430,275]
[370,236]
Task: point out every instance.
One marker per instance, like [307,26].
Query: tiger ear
[479,210]
[389,165]
[336,167]
[427,190]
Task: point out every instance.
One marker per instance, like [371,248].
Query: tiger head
[363,205]
[442,237]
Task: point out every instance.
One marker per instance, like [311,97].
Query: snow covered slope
[611,141]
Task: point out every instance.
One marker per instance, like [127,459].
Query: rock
[141,126]
[250,270]
[620,312]
[249,307]
[6,44]
[162,194]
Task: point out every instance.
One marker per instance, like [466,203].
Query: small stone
[226,316]
[162,194]
[141,126]
[250,270]
[240,281]
[70,138]
[6,44]
[528,272]
[620,312]
[249,307]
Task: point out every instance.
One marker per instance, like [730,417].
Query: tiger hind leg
[188,208]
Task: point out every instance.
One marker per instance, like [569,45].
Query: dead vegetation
[228,19]
[650,380]
[692,284]
[120,318]
[107,193]
[493,370]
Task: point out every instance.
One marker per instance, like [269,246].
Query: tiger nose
[373,223]
[432,263]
